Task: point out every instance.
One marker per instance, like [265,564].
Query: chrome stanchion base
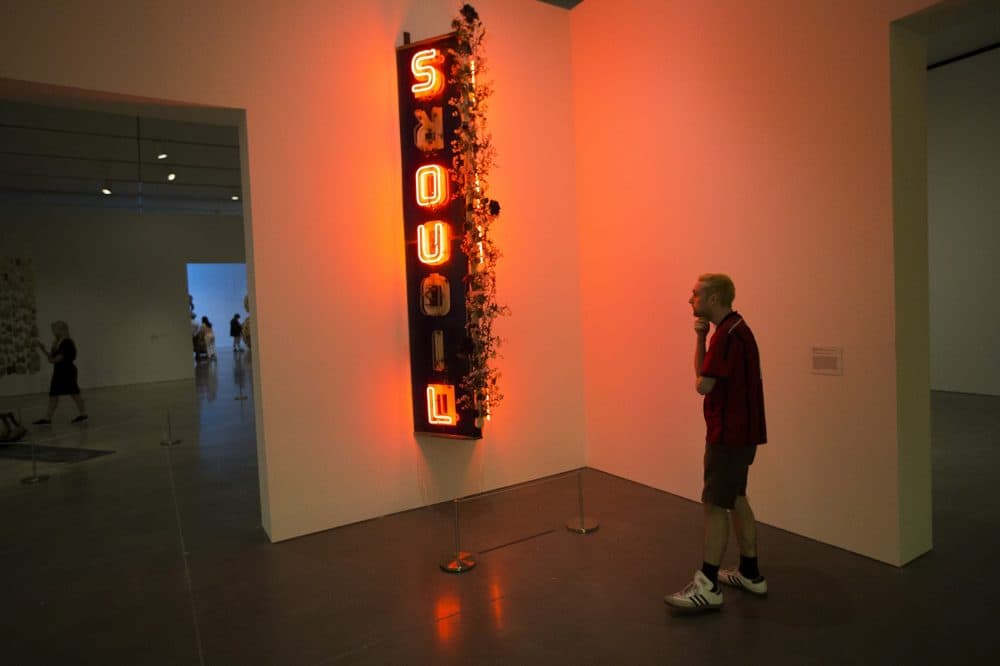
[170,442]
[35,478]
[578,526]
[459,562]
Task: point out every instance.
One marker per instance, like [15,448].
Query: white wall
[119,279]
[963,136]
[652,141]
[325,242]
[752,139]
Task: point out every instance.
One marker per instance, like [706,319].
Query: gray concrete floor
[155,555]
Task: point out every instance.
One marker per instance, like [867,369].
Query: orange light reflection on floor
[496,603]
[446,610]
[432,185]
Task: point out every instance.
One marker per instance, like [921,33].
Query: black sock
[711,572]
[748,567]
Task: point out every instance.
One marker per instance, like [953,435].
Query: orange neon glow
[434,246]
[430,80]
[445,611]
[441,404]
[496,601]
[432,185]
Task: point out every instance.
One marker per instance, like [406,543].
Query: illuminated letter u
[433,242]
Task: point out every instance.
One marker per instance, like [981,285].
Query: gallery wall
[752,139]
[325,246]
[963,143]
[119,280]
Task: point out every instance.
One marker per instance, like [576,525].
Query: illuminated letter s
[429,79]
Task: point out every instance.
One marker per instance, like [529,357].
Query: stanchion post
[580,524]
[461,561]
[35,476]
[169,440]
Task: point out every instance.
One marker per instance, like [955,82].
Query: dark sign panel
[433,219]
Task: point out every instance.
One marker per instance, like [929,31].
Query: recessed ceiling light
[171,176]
[161,156]
[236,197]
[105,190]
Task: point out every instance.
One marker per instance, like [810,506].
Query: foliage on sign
[474,156]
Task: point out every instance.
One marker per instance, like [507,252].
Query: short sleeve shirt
[734,410]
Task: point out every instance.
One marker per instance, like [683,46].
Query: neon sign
[441,404]
[434,245]
[436,266]
[425,66]
[432,185]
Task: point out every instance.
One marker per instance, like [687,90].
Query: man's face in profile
[699,300]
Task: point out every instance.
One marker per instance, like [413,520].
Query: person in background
[209,335]
[728,375]
[62,356]
[236,332]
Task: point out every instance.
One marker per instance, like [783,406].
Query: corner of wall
[912,320]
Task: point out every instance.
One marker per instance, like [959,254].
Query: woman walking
[61,356]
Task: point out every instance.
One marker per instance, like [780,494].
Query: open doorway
[926,225]
[107,201]
[963,167]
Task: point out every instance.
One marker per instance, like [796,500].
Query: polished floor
[155,555]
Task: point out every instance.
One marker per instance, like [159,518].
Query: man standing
[236,331]
[729,377]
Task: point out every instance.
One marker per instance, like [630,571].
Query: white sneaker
[736,579]
[698,595]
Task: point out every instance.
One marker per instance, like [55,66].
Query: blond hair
[721,284]
[61,327]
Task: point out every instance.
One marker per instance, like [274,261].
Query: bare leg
[53,403]
[78,399]
[745,526]
[716,533]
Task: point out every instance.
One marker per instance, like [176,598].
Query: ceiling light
[161,156]
[171,176]
[235,197]
[106,189]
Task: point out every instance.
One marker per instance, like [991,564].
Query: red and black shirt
[734,410]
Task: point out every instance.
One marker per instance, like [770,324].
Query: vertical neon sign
[436,267]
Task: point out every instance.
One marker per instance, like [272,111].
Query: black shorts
[726,469]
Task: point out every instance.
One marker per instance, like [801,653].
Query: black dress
[64,372]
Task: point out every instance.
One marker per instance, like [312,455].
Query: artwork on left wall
[18,318]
